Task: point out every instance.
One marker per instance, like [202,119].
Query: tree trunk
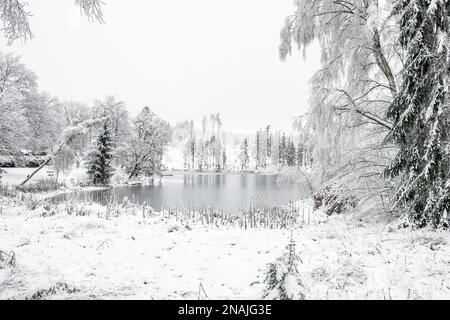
[133,172]
[382,63]
[50,158]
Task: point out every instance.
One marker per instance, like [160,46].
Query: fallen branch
[69,134]
[8,259]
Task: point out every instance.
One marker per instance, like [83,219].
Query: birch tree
[361,60]
[14,17]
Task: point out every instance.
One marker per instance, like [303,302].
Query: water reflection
[229,192]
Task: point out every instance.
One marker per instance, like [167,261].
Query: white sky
[181,58]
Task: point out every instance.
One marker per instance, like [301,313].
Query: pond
[228,192]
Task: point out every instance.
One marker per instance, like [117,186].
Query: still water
[229,192]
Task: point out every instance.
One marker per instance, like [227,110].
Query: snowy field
[136,256]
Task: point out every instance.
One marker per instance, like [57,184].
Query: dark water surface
[229,192]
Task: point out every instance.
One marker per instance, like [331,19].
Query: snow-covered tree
[17,85]
[192,142]
[243,155]
[100,156]
[68,135]
[300,154]
[14,17]
[117,112]
[263,147]
[282,280]
[258,149]
[421,112]
[201,155]
[290,154]
[224,159]
[44,122]
[268,142]
[361,59]
[145,149]
[283,150]
[275,149]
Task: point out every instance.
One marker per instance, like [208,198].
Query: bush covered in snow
[77,177]
[334,200]
[44,185]
[21,161]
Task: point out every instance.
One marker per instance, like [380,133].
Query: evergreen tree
[193,153]
[420,113]
[224,159]
[201,156]
[299,155]
[243,156]
[99,158]
[290,154]
[282,152]
[258,150]
[192,138]
[269,142]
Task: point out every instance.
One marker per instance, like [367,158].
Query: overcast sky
[181,58]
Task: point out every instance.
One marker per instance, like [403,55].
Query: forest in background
[211,148]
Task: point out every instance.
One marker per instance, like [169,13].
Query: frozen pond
[229,192]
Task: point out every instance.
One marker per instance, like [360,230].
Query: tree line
[272,149]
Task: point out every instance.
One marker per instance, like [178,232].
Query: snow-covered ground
[148,256]
[14,176]
[71,180]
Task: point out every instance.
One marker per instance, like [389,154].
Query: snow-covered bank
[14,176]
[109,254]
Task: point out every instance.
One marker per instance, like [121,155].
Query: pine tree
[258,150]
[224,159]
[269,142]
[243,156]
[193,153]
[299,154]
[290,154]
[99,158]
[420,113]
[282,152]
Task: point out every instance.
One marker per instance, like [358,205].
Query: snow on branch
[92,9]
[14,20]
[14,17]
[68,135]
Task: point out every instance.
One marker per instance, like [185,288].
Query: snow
[173,158]
[131,257]
[153,256]
[14,176]
[75,177]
